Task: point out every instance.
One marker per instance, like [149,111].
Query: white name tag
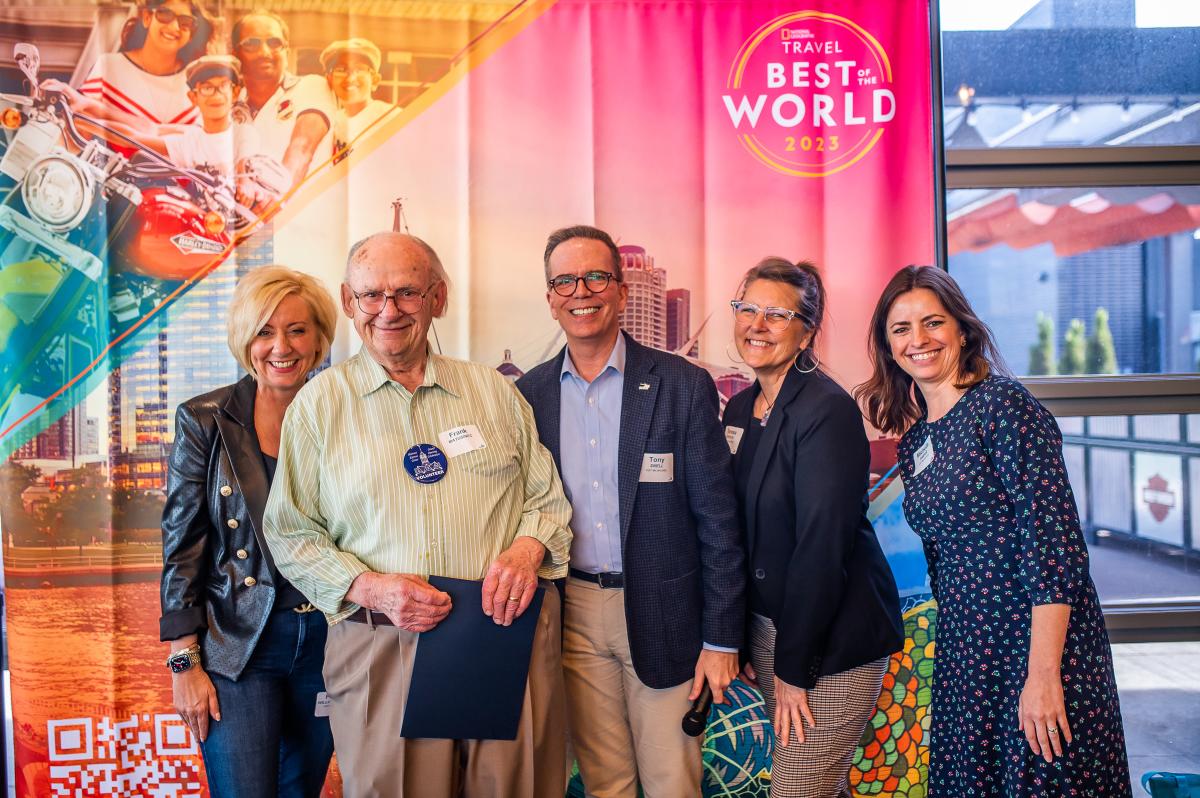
[658,468]
[733,436]
[923,456]
[461,440]
[323,705]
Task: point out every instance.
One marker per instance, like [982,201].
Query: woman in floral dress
[1024,698]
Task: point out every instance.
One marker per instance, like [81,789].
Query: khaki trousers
[367,672]
[622,730]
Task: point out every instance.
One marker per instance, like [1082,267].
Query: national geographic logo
[810,94]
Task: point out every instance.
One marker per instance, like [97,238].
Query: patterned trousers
[842,704]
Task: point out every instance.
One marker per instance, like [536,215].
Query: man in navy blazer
[654,603]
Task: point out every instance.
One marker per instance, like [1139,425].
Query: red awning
[1072,220]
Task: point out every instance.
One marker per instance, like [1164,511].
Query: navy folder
[468,679]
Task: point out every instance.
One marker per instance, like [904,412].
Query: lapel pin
[643,386]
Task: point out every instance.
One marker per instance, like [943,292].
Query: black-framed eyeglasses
[595,282]
[166,16]
[776,319]
[207,89]
[253,44]
[408,300]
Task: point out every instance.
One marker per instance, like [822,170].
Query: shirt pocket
[499,456]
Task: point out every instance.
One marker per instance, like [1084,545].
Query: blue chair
[1171,785]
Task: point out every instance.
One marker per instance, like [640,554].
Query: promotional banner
[702,135]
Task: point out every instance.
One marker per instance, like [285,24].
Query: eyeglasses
[207,89]
[596,282]
[342,71]
[166,16]
[253,44]
[408,300]
[776,319]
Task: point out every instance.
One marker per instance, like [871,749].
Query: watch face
[179,662]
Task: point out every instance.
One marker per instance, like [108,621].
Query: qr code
[146,756]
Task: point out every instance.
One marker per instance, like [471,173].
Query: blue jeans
[268,742]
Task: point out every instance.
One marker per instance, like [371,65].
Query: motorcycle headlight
[214,223]
[58,192]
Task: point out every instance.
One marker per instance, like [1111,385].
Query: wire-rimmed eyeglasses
[407,300]
[776,319]
[595,282]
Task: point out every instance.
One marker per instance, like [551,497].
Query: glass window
[1039,73]
[1156,428]
[1137,501]
[1107,427]
[1083,280]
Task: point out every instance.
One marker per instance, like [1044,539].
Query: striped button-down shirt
[343,503]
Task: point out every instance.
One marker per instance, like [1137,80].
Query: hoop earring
[816,361]
[742,363]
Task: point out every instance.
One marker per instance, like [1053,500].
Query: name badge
[733,436]
[923,456]
[461,440]
[323,705]
[425,463]
[658,468]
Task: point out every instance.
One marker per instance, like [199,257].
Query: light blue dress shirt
[589,435]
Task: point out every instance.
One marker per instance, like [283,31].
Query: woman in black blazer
[246,646]
[824,610]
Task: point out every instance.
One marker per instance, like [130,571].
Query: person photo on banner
[352,71]
[654,602]
[247,647]
[145,79]
[1024,698]
[398,464]
[218,144]
[824,611]
[292,114]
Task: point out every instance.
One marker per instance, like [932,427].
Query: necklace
[766,413]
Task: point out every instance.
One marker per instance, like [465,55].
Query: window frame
[1139,620]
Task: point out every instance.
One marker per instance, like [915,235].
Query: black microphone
[697,717]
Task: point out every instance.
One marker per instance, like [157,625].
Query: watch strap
[184,659]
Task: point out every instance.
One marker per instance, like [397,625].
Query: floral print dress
[1001,534]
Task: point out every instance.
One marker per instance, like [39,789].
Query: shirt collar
[370,376]
[616,360]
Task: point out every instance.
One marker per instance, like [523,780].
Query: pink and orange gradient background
[611,113]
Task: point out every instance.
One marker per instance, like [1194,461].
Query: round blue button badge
[425,463]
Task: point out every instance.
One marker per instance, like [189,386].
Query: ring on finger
[1052,729]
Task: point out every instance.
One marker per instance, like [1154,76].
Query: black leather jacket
[218,579]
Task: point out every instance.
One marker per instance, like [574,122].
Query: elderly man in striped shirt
[397,464]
